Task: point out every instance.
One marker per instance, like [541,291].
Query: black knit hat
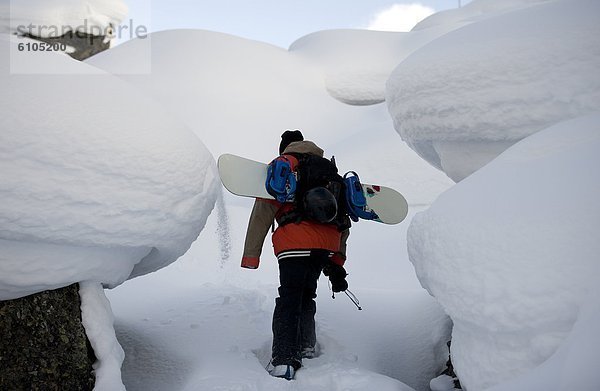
[288,137]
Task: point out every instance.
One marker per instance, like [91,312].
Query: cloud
[399,17]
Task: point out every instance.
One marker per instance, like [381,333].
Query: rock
[84,45]
[43,344]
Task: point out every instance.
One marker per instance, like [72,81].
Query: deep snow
[362,136]
[99,188]
[465,97]
[216,79]
[204,323]
[213,328]
[511,253]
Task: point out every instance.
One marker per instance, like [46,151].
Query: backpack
[311,172]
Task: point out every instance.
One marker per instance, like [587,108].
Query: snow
[465,97]
[97,319]
[173,330]
[223,74]
[356,64]
[442,383]
[53,18]
[104,177]
[350,76]
[511,252]
[573,365]
[214,80]
[103,187]
[471,12]
[208,86]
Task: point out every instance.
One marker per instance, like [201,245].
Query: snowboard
[246,178]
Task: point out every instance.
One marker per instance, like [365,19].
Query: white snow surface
[466,96]
[212,331]
[97,319]
[471,12]
[357,63]
[573,365]
[97,182]
[269,90]
[56,17]
[239,95]
[511,253]
[507,252]
[442,383]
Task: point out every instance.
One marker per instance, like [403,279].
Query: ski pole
[353,299]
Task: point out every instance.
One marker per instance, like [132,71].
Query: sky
[281,22]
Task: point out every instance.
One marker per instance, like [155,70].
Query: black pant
[295,308]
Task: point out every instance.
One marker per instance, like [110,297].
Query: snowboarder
[304,248]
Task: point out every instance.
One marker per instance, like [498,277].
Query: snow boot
[309,352]
[283,371]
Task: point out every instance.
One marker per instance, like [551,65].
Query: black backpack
[317,172]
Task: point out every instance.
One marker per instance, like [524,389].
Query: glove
[337,276]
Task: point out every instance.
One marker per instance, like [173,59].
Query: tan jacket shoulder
[304,147]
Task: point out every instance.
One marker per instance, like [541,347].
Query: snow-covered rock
[97,182]
[465,97]
[357,63]
[53,18]
[511,252]
[574,366]
[80,28]
[471,12]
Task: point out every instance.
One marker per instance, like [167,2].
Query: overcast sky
[281,22]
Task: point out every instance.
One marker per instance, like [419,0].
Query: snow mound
[97,182]
[573,366]
[231,91]
[474,11]
[511,252]
[357,63]
[468,95]
[239,95]
[52,18]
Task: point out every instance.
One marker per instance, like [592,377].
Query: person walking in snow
[304,247]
